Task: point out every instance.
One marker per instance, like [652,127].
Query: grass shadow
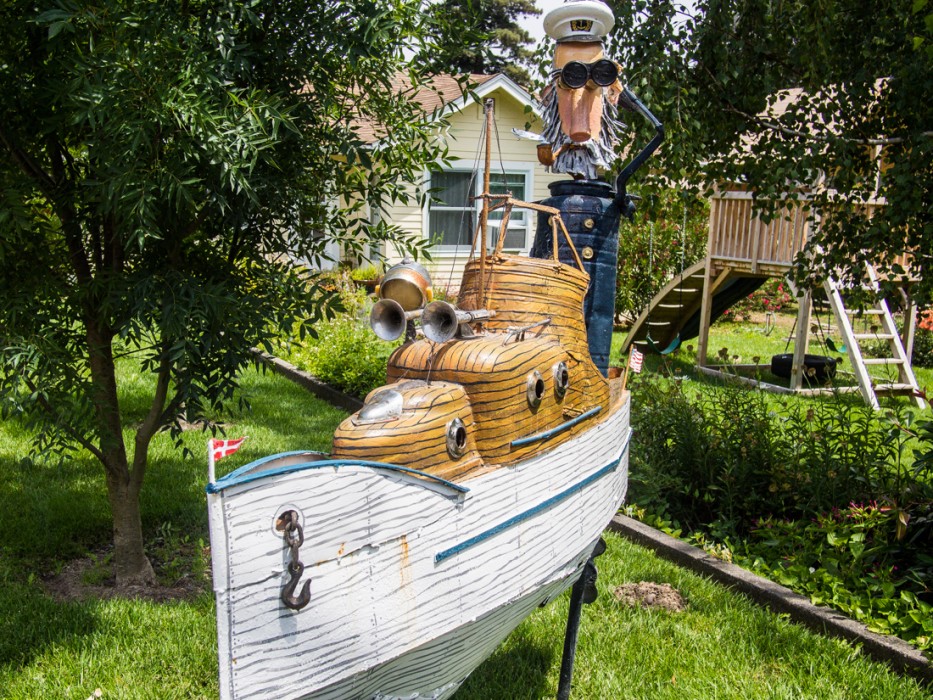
[31,622]
[517,670]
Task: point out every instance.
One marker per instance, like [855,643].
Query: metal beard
[581,159]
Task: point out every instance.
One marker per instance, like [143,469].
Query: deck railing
[738,235]
[740,239]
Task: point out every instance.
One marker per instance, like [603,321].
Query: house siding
[463,138]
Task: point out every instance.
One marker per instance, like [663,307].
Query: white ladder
[907,382]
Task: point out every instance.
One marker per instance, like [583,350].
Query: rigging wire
[471,208]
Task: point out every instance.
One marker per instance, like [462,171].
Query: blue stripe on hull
[531,512]
[247,474]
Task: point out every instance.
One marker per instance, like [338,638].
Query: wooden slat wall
[736,234]
[739,239]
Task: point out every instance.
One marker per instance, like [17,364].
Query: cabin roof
[443,95]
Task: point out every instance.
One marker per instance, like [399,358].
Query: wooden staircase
[887,330]
[663,318]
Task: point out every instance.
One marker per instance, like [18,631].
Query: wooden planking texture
[416,439]
[525,290]
[377,592]
[495,374]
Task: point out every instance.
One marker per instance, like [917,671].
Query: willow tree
[164,161]
[786,94]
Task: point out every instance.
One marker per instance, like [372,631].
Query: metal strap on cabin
[519,332]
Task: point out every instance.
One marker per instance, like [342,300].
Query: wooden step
[883,361]
[895,388]
[866,312]
[872,336]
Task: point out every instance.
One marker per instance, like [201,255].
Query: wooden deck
[743,242]
[739,240]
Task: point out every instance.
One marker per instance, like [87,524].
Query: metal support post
[583,593]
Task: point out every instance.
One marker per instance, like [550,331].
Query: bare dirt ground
[89,579]
[650,595]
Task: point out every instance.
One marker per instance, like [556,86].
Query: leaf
[56,27]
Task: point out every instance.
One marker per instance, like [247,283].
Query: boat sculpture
[469,490]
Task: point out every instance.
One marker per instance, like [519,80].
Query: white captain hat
[579,20]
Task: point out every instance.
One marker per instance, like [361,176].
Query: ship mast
[488,110]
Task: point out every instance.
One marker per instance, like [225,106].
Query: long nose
[580,112]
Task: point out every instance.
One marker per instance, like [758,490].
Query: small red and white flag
[225,448]
[635,360]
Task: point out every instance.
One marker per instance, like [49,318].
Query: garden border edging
[308,381]
[886,648]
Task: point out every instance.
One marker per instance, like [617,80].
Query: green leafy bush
[729,457]
[774,295]
[857,559]
[365,273]
[923,348]
[343,350]
[826,497]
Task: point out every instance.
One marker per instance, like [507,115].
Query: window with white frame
[452,218]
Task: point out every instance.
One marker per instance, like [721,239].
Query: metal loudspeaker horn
[388,319]
[440,320]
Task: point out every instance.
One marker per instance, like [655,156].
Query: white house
[450,220]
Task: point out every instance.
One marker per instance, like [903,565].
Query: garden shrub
[774,295]
[826,496]
[648,261]
[729,457]
[923,348]
[343,351]
[853,559]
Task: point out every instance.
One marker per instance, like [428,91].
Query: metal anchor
[294,538]
[295,569]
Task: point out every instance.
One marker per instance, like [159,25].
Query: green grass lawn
[722,646]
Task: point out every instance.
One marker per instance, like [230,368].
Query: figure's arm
[623,200]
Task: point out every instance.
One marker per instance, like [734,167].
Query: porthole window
[456,438]
[561,379]
[534,389]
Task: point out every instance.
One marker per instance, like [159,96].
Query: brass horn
[388,319]
[441,320]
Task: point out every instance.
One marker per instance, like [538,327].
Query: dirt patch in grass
[650,595]
[91,578]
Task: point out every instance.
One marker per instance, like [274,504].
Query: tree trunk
[123,486]
[130,564]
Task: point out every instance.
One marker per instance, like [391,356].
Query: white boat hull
[413,583]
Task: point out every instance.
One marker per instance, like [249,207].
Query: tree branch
[75,435]
[153,420]
[822,138]
[68,216]
[28,164]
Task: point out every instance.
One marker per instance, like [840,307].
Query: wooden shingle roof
[439,91]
